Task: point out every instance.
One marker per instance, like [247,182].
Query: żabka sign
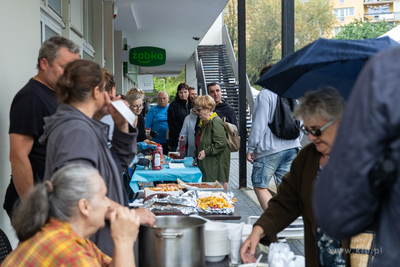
[147,56]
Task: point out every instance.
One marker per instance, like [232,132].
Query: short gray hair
[69,184]
[49,49]
[326,103]
[133,97]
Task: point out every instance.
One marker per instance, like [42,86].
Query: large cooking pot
[173,241]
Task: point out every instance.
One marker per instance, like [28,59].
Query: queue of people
[69,147]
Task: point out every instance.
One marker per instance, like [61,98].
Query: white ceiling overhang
[168,24]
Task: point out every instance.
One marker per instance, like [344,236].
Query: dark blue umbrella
[325,62]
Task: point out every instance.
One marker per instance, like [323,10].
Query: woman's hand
[146,216]
[124,225]
[249,246]
[194,162]
[119,120]
[202,155]
[124,230]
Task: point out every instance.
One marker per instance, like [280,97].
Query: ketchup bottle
[182,144]
[157,154]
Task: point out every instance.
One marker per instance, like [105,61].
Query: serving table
[189,174]
[213,217]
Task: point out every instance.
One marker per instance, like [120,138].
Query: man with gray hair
[36,100]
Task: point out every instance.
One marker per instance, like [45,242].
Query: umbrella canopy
[325,62]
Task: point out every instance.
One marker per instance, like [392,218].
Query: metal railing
[384,15]
[200,73]
[235,66]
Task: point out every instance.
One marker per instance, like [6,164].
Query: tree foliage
[171,84]
[313,18]
[363,30]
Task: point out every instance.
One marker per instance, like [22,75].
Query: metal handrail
[235,66]
[200,73]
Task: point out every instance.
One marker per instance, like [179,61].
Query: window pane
[351,11]
[56,5]
[336,12]
[87,56]
[49,33]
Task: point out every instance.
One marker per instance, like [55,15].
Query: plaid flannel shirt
[56,244]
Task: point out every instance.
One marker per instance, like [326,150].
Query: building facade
[347,11]
[104,31]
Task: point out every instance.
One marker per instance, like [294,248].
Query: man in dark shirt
[223,109]
[36,100]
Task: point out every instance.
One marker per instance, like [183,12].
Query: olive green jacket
[213,140]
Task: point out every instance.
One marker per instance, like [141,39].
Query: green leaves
[363,30]
[313,19]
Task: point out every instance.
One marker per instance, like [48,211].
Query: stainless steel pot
[174,241]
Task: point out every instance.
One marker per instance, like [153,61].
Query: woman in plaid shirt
[57,218]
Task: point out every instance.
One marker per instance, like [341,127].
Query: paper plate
[125,111]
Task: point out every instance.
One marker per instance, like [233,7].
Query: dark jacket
[72,137]
[213,140]
[140,129]
[294,199]
[343,193]
[223,109]
[177,113]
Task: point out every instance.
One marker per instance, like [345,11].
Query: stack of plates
[216,243]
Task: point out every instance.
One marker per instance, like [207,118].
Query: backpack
[283,124]
[233,136]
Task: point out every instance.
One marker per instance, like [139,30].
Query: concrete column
[118,64]
[190,73]
[20,28]
[66,18]
[98,31]
[109,36]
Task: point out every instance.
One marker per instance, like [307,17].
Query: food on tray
[159,196]
[200,185]
[213,202]
[174,156]
[152,143]
[165,187]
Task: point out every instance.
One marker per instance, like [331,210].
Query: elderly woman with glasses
[321,112]
[212,150]
[136,105]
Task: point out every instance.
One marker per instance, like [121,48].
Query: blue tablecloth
[189,174]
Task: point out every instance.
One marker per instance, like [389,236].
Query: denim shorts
[277,165]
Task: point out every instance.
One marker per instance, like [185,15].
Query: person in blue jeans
[270,155]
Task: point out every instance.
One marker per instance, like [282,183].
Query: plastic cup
[234,252]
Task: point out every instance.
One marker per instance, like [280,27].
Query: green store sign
[147,56]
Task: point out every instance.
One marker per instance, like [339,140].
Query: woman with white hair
[321,112]
[57,218]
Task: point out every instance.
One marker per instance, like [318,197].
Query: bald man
[156,120]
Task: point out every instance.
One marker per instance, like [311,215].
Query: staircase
[217,68]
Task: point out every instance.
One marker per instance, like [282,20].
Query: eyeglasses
[137,107]
[198,109]
[317,132]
